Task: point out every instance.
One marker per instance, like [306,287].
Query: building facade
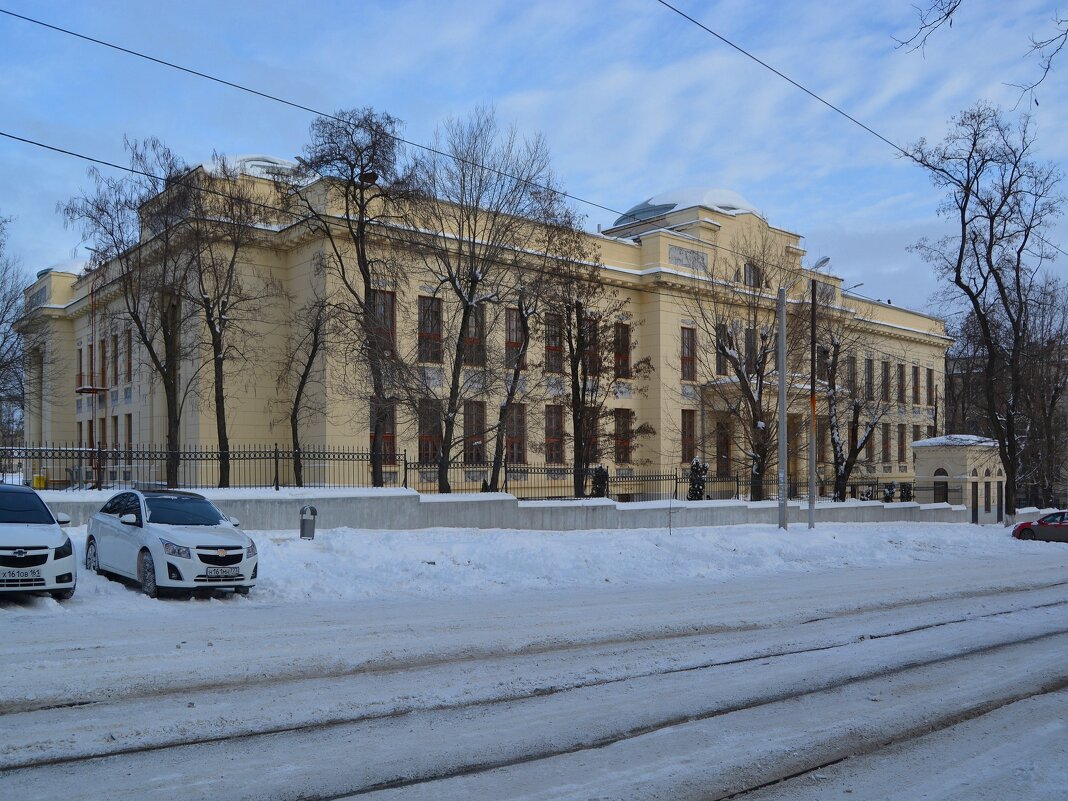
[699,271]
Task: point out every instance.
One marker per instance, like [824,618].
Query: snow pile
[346,564]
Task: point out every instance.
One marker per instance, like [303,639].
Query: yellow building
[693,264]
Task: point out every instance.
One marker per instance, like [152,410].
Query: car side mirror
[128,520]
[234,521]
[62,519]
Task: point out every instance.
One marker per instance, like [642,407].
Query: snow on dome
[957,440]
[258,166]
[724,201]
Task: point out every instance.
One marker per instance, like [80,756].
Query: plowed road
[942,680]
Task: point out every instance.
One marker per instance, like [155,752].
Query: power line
[786,78]
[302,107]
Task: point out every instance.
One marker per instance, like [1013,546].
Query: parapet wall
[402,510]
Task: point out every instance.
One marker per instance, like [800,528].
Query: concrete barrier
[406,510]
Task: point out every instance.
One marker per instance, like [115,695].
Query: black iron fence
[78,467]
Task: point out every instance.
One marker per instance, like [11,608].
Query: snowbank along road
[938,673]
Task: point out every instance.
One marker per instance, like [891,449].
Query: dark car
[1051,528]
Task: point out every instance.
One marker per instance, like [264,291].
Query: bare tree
[1043,461]
[136,225]
[351,182]
[12,342]
[855,403]
[300,378]
[733,306]
[1000,202]
[480,204]
[590,324]
[939,13]
[231,293]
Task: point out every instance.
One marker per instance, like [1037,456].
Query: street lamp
[819,265]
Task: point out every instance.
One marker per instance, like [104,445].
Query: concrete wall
[401,511]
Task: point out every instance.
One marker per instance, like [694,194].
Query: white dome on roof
[724,201]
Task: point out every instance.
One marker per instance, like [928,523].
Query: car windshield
[23,507]
[182,510]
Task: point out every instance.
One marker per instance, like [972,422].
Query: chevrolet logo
[20,552]
[221,552]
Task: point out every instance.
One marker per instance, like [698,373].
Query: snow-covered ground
[486,664]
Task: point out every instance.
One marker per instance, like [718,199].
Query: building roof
[954,440]
[724,201]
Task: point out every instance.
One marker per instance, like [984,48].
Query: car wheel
[146,570]
[63,595]
[92,559]
[1027,534]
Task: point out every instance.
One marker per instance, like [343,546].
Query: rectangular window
[869,447]
[915,385]
[823,364]
[689,354]
[751,351]
[901,383]
[386,413]
[474,432]
[554,434]
[81,441]
[514,341]
[90,368]
[103,363]
[851,375]
[515,434]
[129,355]
[591,435]
[103,432]
[917,433]
[886,381]
[80,381]
[429,430]
[689,435]
[621,346]
[930,387]
[624,435]
[383,323]
[901,441]
[430,330]
[886,441]
[722,343]
[91,441]
[752,275]
[723,451]
[128,424]
[930,431]
[823,425]
[475,338]
[853,437]
[114,359]
[591,350]
[869,379]
[554,344]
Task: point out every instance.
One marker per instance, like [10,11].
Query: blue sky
[631,98]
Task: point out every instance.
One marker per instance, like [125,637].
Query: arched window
[941,486]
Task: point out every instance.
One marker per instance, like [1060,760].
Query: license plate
[20,573]
[215,572]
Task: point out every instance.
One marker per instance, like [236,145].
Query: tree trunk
[298,462]
[220,416]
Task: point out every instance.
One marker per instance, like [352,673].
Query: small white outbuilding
[961,469]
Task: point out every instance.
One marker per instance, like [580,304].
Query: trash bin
[40,482]
[307,522]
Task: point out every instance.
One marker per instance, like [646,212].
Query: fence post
[276,467]
[100,465]
[404,455]
[675,494]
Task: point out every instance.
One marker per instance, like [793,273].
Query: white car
[166,539]
[35,553]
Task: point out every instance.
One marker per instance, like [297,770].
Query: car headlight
[171,549]
[64,550]
[251,549]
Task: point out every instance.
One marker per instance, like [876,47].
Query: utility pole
[812,413]
[782,408]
